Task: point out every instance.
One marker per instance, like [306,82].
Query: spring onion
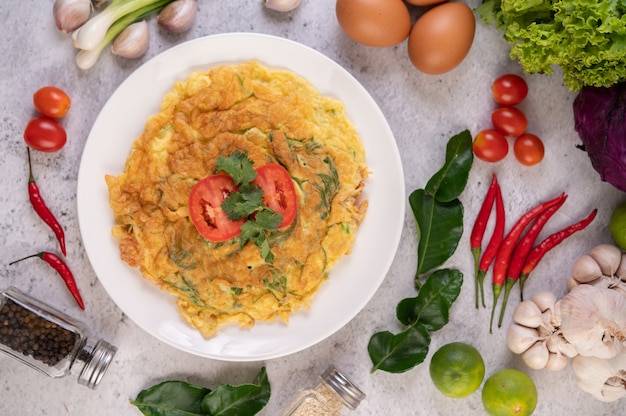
[94,31]
[87,57]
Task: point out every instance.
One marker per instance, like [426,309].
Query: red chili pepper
[548,244]
[494,243]
[476,238]
[522,249]
[42,209]
[506,249]
[64,271]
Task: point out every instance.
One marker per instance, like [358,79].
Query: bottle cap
[97,359]
[349,393]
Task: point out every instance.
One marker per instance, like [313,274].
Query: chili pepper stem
[40,255]
[496,294]
[508,285]
[478,283]
[522,280]
[480,279]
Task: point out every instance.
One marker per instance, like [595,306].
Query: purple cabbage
[600,120]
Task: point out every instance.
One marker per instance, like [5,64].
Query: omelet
[272,116]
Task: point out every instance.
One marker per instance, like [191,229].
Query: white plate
[353,281]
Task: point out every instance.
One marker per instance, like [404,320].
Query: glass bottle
[333,396]
[49,340]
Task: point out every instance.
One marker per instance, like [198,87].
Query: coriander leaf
[432,305]
[171,398]
[241,204]
[268,219]
[401,352]
[448,183]
[242,400]
[255,231]
[439,227]
[238,166]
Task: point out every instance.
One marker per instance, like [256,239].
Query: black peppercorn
[50,341]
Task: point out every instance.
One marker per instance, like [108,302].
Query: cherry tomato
[509,89]
[45,134]
[279,194]
[509,121]
[205,208]
[528,149]
[52,102]
[490,145]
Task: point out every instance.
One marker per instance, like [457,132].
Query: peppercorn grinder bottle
[333,396]
[50,341]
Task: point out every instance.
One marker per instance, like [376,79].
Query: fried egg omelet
[274,116]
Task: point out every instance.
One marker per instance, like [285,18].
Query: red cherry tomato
[490,145]
[52,102]
[45,134]
[279,194]
[509,121]
[528,149]
[205,208]
[509,89]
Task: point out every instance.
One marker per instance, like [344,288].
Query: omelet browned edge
[274,116]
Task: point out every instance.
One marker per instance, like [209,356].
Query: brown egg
[374,22]
[442,37]
[424,2]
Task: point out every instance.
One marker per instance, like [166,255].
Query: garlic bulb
[178,16]
[281,5]
[69,15]
[594,320]
[604,379]
[536,333]
[608,257]
[602,267]
[133,42]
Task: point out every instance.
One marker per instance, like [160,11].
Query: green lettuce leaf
[585,38]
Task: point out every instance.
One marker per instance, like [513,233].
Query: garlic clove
[281,5]
[620,273]
[178,16]
[604,379]
[567,349]
[572,283]
[133,42]
[519,338]
[594,320]
[544,300]
[69,15]
[556,362]
[556,318]
[586,269]
[536,357]
[559,345]
[527,313]
[608,257]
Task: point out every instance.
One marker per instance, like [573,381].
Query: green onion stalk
[100,30]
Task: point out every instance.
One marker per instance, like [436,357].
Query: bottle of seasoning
[49,340]
[333,396]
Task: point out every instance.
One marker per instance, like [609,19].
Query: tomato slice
[279,193]
[205,208]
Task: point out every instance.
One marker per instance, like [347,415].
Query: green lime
[618,225]
[509,392]
[457,369]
